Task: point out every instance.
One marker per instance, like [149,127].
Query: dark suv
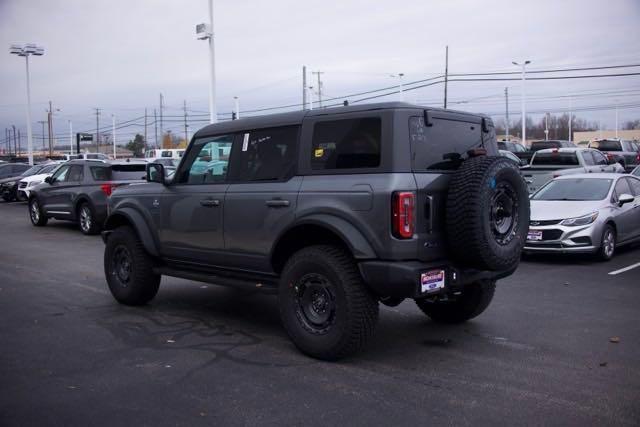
[335,210]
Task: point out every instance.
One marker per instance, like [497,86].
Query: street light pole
[236,101]
[70,138]
[205,32]
[26,50]
[523,96]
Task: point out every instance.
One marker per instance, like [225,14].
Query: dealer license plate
[432,281]
[534,235]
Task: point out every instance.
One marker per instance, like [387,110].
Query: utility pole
[97,129]
[50,120]
[113,134]
[19,142]
[304,87]
[446,74]
[15,142]
[145,129]
[42,122]
[570,117]
[506,101]
[155,126]
[70,138]
[616,118]
[161,131]
[310,89]
[319,73]
[186,132]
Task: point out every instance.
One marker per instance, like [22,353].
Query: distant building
[597,134]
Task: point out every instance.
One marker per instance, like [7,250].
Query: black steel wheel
[129,268]
[324,305]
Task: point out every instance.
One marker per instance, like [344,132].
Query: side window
[588,158]
[100,173]
[207,161]
[635,186]
[346,144]
[61,174]
[599,158]
[75,173]
[166,153]
[622,187]
[266,154]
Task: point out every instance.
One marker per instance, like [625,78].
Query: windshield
[577,189]
[48,168]
[555,158]
[32,170]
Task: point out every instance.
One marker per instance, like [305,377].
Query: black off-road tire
[86,216]
[475,299]
[128,268]
[487,214]
[351,311]
[607,248]
[36,214]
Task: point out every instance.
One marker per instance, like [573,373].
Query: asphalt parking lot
[560,345]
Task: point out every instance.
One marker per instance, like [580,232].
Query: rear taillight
[403,220]
[107,189]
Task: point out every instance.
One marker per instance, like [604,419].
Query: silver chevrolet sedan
[585,213]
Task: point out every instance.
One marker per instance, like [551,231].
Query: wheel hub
[121,265]
[315,302]
[504,213]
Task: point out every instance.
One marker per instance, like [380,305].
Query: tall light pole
[616,118]
[205,32]
[523,96]
[401,86]
[70,137]
[236,101]
[570,117]
[26,50]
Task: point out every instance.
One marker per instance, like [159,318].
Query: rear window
[118,172]
[346,144]
[442,145]
[606,145]
[166,154]
[543,145]
[555,159]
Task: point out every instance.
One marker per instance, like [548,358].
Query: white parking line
[622,270]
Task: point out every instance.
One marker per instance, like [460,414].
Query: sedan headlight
[581,220]
[34,183]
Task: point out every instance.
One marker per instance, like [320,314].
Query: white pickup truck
[553,162]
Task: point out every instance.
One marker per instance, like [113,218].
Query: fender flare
[137,221]
[352,237]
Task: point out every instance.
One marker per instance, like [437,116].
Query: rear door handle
[210,203]
[277,203]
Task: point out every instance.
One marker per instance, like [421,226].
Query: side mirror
[625,198]
[49,180]
[155,173]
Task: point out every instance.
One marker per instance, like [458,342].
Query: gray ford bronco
[335,211]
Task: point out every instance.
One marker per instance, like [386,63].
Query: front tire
[607,243]
[129,268]
[324,305]
[475,299]
[36,214]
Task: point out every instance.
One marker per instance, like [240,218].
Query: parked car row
[585,213]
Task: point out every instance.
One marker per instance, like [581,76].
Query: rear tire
[36,214]
[324,305]
[87,219]
[129,268]
[475,299]
[607,243]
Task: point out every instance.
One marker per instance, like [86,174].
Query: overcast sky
[119,55]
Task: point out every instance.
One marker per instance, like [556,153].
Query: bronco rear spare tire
[487,214]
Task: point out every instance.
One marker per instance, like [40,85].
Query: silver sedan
[585,213]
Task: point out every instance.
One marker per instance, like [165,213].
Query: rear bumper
[401,279]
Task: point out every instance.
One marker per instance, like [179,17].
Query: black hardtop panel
[296,117]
